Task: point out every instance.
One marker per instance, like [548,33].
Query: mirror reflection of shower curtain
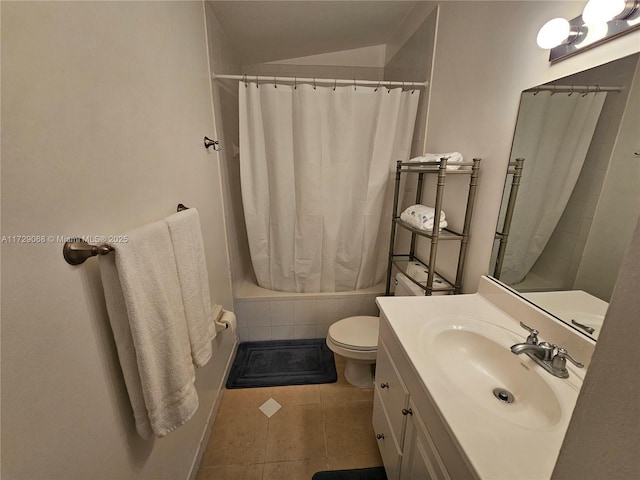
[315,167]
[553,136]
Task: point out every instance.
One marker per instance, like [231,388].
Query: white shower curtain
[315,167]
[553,136]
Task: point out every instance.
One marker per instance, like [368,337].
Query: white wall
[486,54]
[372,56]
[222,60]
[104,108]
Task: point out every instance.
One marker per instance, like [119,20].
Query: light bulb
[601,11]
[594,33]
[553,33]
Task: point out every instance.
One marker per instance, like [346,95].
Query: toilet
[356,339]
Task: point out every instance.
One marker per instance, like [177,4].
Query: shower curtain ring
[378,86]
[256,81]
[295,83]
[587,92]
[244,79]
[413,86]
[314,83]
[571,91]
[335,82]
[275,85]
[354,85]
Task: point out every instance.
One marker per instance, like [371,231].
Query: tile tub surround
[267,315]
[319,427]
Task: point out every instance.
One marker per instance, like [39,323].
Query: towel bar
[76,251]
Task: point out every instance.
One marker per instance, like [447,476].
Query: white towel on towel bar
[142,293]
[186,237]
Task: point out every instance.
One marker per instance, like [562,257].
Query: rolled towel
[452,157]
[423,212]
[422,216]
[428,225]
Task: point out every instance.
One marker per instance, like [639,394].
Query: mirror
[570,206]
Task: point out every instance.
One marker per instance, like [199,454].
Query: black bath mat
[282,362]
[374,473]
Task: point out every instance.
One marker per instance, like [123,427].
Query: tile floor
[319,427]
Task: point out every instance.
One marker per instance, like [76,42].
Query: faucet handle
[560,359]
[533,334]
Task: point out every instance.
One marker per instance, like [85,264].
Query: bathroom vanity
[453,401]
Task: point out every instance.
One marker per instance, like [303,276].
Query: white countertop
[501,441]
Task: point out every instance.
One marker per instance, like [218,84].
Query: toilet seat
[356,333]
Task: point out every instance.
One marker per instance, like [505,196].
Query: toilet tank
[405,287]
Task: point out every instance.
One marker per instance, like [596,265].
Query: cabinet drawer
[387,443]
[393,392]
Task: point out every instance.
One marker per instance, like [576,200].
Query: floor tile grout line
[324,434]
[266,442]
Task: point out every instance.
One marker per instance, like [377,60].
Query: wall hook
[212,143]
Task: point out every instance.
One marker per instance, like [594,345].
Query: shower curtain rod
[331,81]
[573,89]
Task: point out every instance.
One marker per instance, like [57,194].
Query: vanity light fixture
[601,21]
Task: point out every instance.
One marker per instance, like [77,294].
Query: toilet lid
[356,333]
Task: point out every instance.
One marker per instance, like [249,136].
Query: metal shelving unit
[400,260]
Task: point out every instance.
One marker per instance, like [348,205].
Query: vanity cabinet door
[393,392]
[387,442]
[420,459]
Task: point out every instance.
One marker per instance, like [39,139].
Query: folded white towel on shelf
[186,237]
[422,217]
[146,313]
[452,158]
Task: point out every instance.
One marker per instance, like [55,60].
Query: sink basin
[475,359]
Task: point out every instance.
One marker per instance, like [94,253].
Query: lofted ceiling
[267,31]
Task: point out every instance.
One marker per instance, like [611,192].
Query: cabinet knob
[407,411]
[380,436]
[384,385]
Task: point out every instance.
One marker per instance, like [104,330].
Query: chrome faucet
[543,354]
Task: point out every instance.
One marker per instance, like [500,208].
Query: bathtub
[269,315]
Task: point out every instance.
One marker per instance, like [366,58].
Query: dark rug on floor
[282,362]
[375,473]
